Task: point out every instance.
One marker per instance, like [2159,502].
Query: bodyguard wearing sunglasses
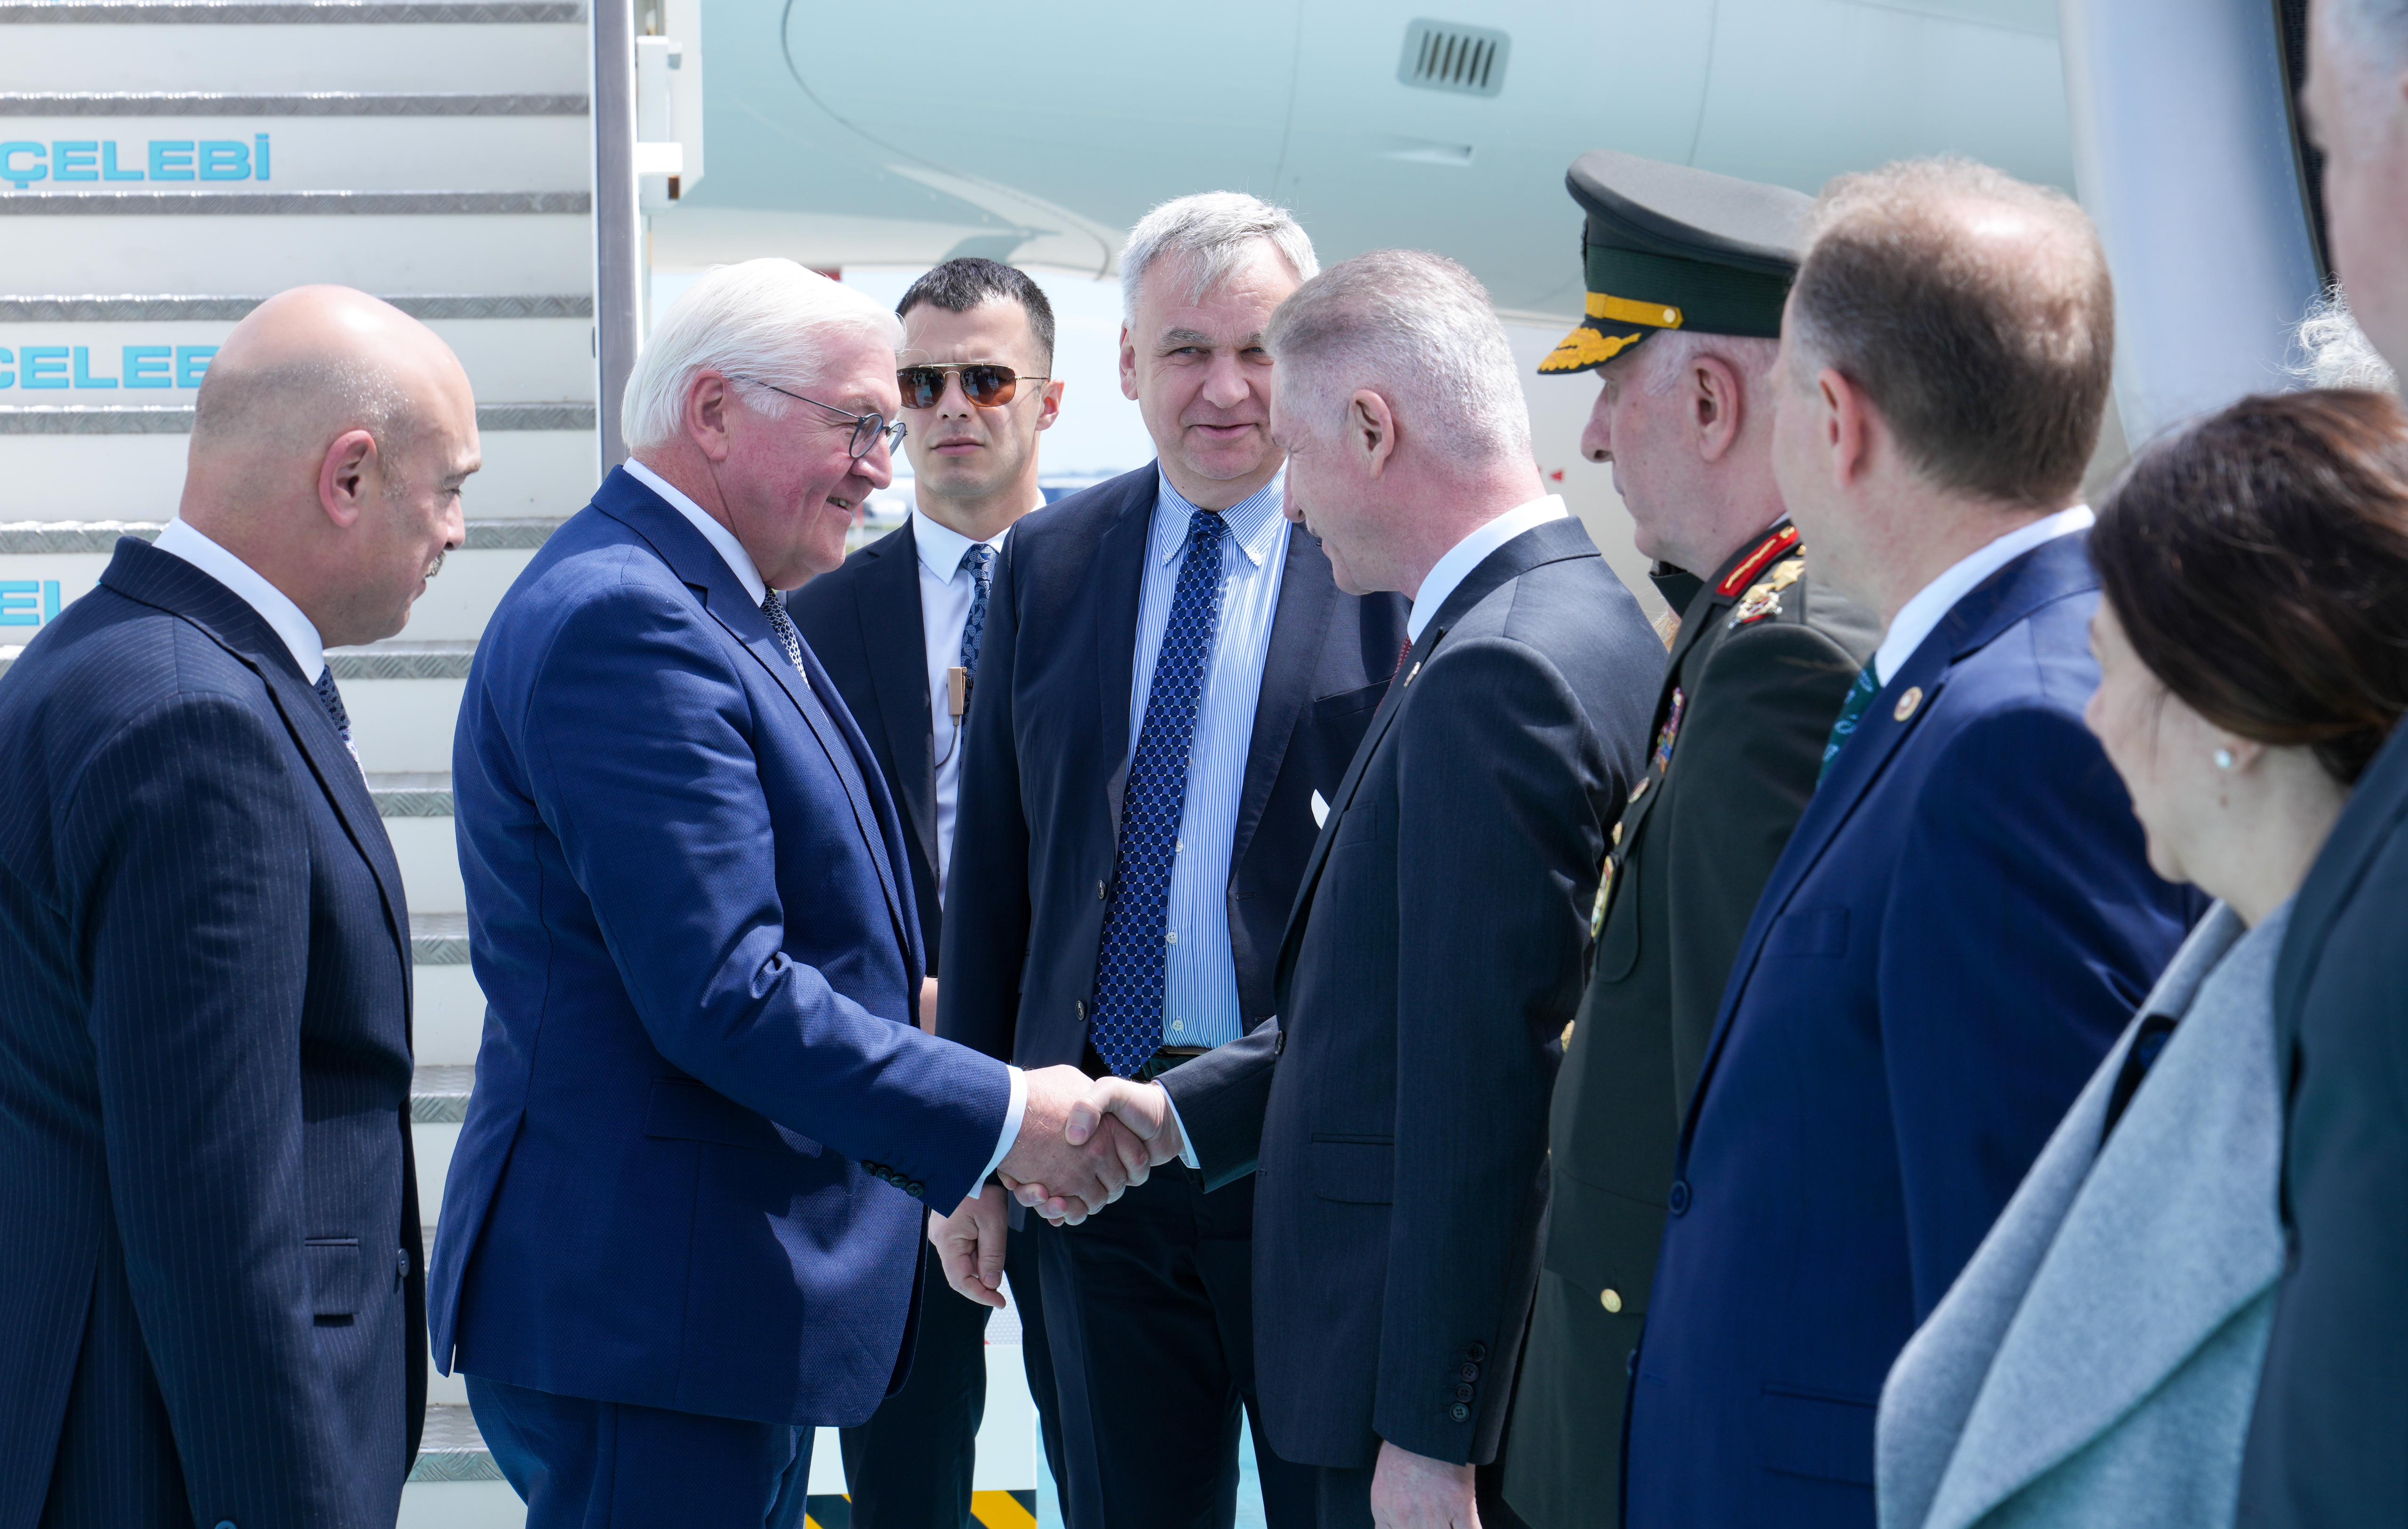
[1169,687]
[899,628]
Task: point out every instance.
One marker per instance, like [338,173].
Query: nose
[954,402]
[876,464]
[1224,382]
[1597,437]
[455,526]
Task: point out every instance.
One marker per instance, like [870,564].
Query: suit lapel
[1120,587]
[161,579]
[1298,628]
[887,592]
[2048,572]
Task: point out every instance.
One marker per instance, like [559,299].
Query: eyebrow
[1197,337]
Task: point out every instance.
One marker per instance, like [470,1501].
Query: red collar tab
[1754,563]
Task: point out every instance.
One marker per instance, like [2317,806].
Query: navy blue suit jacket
[1039,819]
[1960,925]
[210,1302]
[704,1129]
[863,621]
[1435,952]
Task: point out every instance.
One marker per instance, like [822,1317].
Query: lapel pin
[1907,703]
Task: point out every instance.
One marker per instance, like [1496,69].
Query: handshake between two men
[1081,1143]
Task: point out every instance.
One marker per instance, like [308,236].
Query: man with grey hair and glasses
[682,1224]
[2325,1442]
[1169,688]
[1393,1118]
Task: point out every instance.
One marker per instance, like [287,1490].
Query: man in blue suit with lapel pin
[683,1222]
[211,1303]
[900,627]
[1170,687]
[1965,916]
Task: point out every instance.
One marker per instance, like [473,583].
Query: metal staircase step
[438,939]
[400,658]
[453,1449]
[412,794]
[438,1093]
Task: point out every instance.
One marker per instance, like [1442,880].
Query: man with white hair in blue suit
[682,1225]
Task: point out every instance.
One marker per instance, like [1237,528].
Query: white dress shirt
[739,562]
[1472,552]
[274,606]
[946,592]
[1934,601]
[1199,990]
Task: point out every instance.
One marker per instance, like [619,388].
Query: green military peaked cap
[1667,247]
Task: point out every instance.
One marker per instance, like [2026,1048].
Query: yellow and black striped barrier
[994,1509]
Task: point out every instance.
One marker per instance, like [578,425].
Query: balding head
[331,438]
[1976,314]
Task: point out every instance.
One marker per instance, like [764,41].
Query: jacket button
[401,1263]
[915,1188]
[1078,1009]
[1469,1372]
[1463,1393]
[225,1523]
[1099,892]
[1610,1299]
[1460,1412]
[1476,1353]
[1678,1201]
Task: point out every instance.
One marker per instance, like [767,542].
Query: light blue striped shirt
[1199,1004]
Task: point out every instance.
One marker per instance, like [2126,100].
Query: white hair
[764,321]
[1668,353]
[1209,235]
[1417,329]
[2335,352]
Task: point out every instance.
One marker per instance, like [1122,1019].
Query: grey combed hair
[2334,352]
[1207,236]
[1417,329]
[1668,355]
[764,321]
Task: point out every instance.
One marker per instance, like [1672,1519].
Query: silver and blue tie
[978,558]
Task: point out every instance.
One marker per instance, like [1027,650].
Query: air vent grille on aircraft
[1450,56]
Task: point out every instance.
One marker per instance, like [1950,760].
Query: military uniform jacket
[1759,668]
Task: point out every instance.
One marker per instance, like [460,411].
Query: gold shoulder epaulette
[1763,600]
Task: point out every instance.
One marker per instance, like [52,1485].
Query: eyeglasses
[986,385]
[868,429]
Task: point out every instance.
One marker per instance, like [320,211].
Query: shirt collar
[942,546]
[1255,523]
[274,606]
[1450,571]
[731,552]
[1935,600]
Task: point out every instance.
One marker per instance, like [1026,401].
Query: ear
[1051,408]
[1849,426]
[1129,365]
[347,477]
[709,400]
[1370,435]
[1718,406]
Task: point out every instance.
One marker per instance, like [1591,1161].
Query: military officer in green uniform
[1687,273]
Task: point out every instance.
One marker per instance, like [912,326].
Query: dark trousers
[586,1465]
[1345,1499]
[909,1466]
[1150,1310]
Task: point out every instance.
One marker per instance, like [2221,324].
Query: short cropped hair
[1669,352]
[958,286]
[1417,329]
[767,321]
[302,404]
[1208,235]
[2255,559]
[1991,372]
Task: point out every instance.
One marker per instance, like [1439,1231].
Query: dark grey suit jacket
[1434,954]
[2329,1445]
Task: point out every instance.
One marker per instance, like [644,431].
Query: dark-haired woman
[2095,1363]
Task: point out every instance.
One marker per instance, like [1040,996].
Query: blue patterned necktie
[1126,1024]
[781,626]
[1852,710]
[978,558]
[332,699]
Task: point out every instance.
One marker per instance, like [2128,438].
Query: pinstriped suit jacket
[207,1197]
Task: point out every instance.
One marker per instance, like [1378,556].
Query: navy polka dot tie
[1126,1026]
[978,558]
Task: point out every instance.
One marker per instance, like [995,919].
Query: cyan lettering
[224,160]
[108,170]
[17,603]
[8,359]
[23,175]
[191,361]
[171,159]
[45,367]
[259,156]
[74,161]
[83,378]
[146,366]
[50,599]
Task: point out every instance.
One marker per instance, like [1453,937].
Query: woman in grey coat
[2095,1363]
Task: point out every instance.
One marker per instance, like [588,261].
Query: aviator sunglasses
[983,383]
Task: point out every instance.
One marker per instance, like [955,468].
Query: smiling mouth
[1224,431]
